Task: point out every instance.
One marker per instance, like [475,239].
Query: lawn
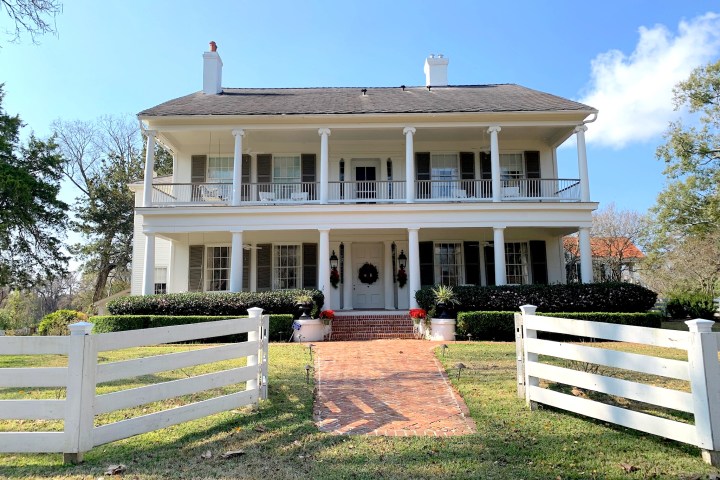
[279,439]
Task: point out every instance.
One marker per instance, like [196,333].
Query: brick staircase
[371,326]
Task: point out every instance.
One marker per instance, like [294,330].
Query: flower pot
[305,308]
[311,330]
[441,309]
[442,329]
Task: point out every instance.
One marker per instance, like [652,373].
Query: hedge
[280,325]
[689,304]
[576,297]
[213,304]
[500,326]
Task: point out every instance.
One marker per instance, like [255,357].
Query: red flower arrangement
[334,277]
[418,313]
[327,315]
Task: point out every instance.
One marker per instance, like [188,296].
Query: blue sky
[622,57]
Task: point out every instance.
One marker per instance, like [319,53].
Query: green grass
[680,325]
[280,440]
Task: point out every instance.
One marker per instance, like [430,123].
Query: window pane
[220,169]
[287,272]
[218,271]
[448,263]
[516,263]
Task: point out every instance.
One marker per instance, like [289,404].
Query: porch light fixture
[402,259]
[333,260]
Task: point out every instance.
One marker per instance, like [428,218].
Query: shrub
[644,319]
[499,326]
[56,323]
[280,325]
[690,304]
[214,304]
[587,297]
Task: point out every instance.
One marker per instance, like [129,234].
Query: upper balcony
[366,192]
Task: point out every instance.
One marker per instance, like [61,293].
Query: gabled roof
[383,100]
[603,247]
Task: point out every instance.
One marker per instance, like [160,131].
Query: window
[448,263]
[220,169]
[444,173]
[516,263]
[512,166]
[287,266]
[160,280]
[287,175]
[217,269]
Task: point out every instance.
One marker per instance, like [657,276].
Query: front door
[368,295]
[365,178]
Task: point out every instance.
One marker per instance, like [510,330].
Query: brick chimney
[212,71]
[436,67]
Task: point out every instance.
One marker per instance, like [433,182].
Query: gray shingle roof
[350,100]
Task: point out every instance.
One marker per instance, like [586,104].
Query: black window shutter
[195,273]
[246,270]
[427,268]
[246,161]
[485,174]
[532,170]
[472,262]
[467,172]
[538,261]
[198,166]
[310,265]
[489,251]
[264,267]
[264,168]
[422,172]
[308,166]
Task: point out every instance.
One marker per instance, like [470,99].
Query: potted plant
[327,316]
[445,298]
[417,315]
[304,303]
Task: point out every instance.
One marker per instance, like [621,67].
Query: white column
[495,162]
[586,269]
[149,167]
[499,248]
[148,287]
[413,265]
[253,268]
[324,267]
[237,167]
[389,275]
[409,165]
[348,271]
[582,163]
[324,134]
[236,262]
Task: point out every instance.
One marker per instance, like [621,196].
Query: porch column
[149,167]
[586,269]
[495,163]
[324,134]
[236,262]
[148,286]
[237,167]
[409,165]
[413,265]
[389,275]
[582,163]
[253,268]
[499,248]
[324,267]
[348,277]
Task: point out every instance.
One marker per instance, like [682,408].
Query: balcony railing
[381,191]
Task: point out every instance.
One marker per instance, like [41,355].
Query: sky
[622,57]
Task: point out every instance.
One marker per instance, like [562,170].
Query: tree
[32,219]
[691,202]
[36,17]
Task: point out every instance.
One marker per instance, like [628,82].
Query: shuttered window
[264,267]
[195,273]
[472,262]
[217,269]
[310,265]
[448,264]
[427,271]
[422,175]
[467,173]
[286,267]
[538,261]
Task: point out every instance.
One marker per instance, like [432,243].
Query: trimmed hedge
[213,304]
[500,326]
[576,297]
[693,305]
[280,325]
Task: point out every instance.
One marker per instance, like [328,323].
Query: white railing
[83,373]
[701,370]
[380,191]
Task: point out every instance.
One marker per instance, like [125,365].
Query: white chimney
[436,71]
[212,71]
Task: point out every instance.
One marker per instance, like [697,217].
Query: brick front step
[372,327]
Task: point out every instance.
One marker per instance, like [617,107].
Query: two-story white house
[394,187]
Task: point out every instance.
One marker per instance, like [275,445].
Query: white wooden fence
[84,373]
[701,370]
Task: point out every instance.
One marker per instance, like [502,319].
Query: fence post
[528,357]
[705,387]
[79,400]
[519,355]
[254,336]
[265,336]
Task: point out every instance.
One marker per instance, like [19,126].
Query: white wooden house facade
[457,184]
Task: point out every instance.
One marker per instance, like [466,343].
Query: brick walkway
[386,387]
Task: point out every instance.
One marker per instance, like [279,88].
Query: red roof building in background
[614,259]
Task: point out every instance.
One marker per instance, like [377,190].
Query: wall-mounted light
[402,259]
[333,260]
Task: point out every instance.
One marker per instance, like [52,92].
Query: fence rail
[83,374]
[701,370]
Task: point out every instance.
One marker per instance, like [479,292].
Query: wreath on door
[368,273]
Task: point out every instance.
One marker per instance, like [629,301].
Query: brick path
[386,387]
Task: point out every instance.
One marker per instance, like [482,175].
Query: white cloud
[634,93]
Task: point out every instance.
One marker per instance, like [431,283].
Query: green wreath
[368,273]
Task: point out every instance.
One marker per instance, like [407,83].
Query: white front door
[368,295]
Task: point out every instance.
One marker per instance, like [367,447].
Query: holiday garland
[368,273]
